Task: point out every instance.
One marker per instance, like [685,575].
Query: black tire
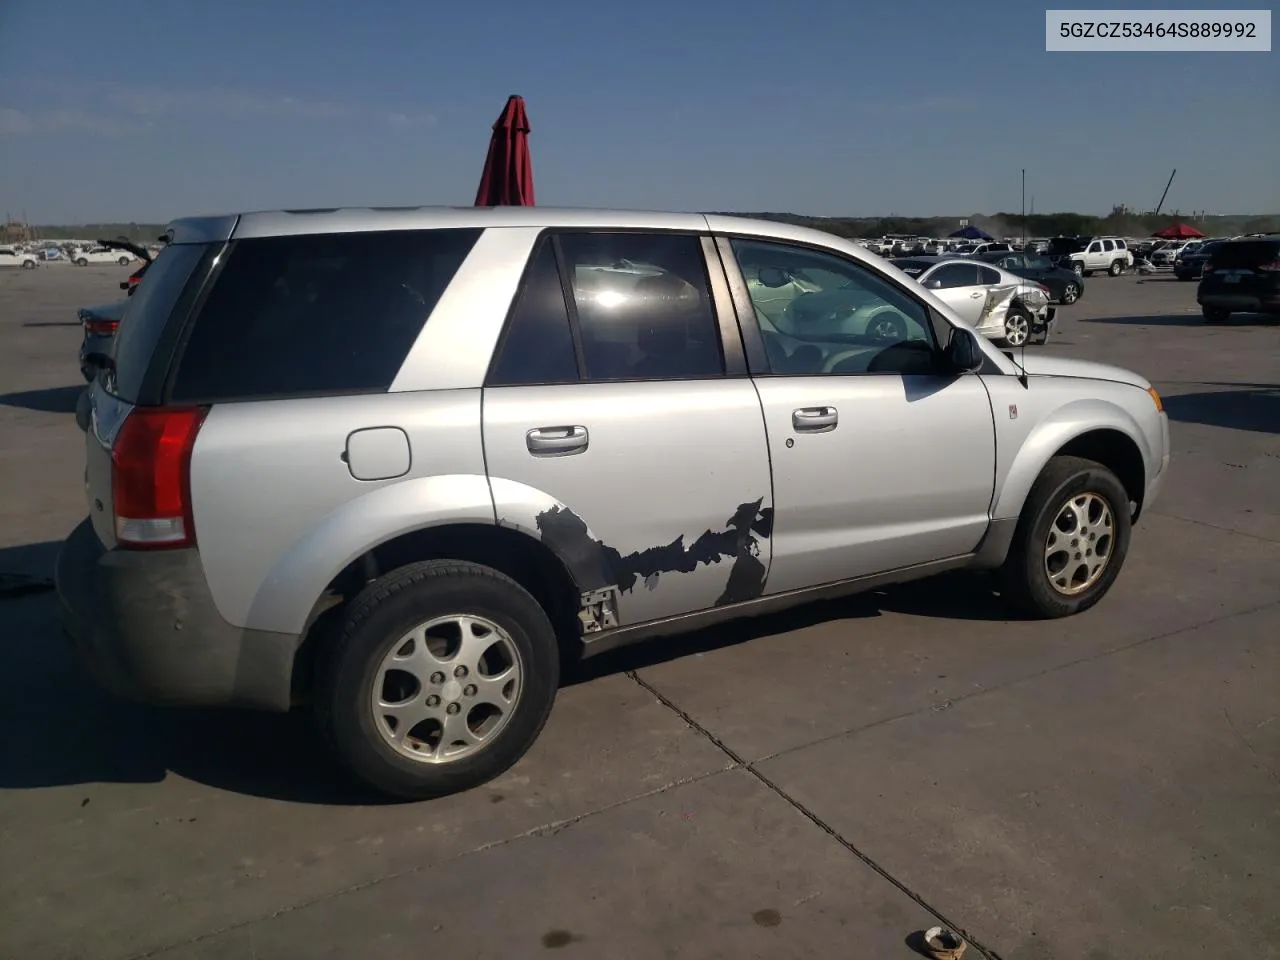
[1116,268]
[1023,579]
[123,261]
[1070,293]
[379,617]
[887,327]
[1215,314]
[82,262]
[1016,312]
[1078,267]
[28,265]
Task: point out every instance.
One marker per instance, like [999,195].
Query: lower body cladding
[146,628]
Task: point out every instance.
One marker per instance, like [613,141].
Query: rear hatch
[143,349]
[1243,266]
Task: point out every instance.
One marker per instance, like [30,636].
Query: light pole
[1023,237]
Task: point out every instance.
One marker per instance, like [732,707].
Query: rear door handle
[815,419]
[556,441]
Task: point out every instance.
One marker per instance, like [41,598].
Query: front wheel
[442,678]
[123,261]
[1070,293]
[1078,267]
[28,264]
[1071,540]
[82,262]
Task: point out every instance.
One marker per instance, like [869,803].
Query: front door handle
[815,419]
[975,295]
[556,441]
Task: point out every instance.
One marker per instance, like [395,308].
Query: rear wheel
[442,677]
[82,262]
[1215,314]
[1078,267]
[1017,325]
[28,264]
[1116,268]
[123,261]
[1071,540]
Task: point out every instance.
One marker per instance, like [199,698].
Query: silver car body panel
[268,557]
[903,477]
[679,484]
[667,498]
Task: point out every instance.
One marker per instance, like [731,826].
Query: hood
[1039,365]
[104,311]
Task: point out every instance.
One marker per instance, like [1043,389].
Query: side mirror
[962,352]
[934,284]
[774,277]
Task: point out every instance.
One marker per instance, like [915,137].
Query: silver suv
[400,463]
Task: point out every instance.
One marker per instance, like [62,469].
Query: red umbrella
[507,180]
[1179,231]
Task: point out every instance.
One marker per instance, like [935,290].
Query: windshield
[1065,245]
[1039,263]
[147,316]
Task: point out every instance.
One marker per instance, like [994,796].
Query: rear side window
[1246,253]
[318,314]
[538,345]
[177,268]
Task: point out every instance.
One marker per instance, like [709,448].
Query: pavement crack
[996,688]
[1216,526]
[804,811]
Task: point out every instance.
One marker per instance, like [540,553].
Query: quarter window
[643,306]
[953,275]
[316,314]
[819,313]
[987,275]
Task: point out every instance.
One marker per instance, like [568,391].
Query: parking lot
[820,783]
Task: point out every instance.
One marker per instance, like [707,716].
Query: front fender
[296,580]
[1071,420]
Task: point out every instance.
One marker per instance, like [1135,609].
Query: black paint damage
[595,565]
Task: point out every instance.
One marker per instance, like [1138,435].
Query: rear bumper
[1268,302]
[145,627]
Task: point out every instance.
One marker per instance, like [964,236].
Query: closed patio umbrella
[507,180]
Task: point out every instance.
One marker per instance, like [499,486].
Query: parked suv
[399,463]
[1089,255]
[1241,276]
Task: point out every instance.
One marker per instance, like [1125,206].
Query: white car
[998,304]
[85,256]
[17,258]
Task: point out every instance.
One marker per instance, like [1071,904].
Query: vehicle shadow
[61,729]
[1254,406]
[50,400]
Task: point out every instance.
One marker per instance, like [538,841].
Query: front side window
[1095,247]
[820,313]
[643,305]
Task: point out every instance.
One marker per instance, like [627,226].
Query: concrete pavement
[823,782]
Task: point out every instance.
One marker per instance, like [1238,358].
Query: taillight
[101,328]
[1272,267]
[151,477]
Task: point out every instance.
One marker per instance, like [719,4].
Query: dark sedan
[1064,285]
[1190,266]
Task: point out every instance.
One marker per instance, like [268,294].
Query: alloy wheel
[1078,547]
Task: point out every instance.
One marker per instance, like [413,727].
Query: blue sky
[115,111]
